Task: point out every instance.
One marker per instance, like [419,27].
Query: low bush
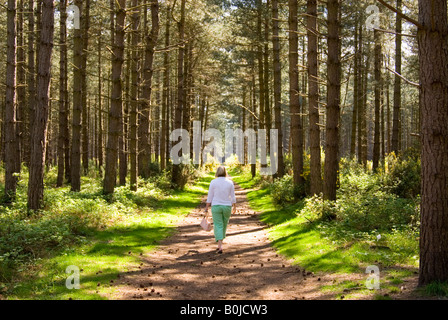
[282,191]
[68,217]
[403,175]
[316,208]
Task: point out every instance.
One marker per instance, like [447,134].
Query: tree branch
[401,14]
[406,80]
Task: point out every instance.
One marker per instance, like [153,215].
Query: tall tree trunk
[313,96]
[85,25]
[433,53]
[277,89]
[151,41]
[10,103]
[166,94]
[267,105]
[355,94]
[122,142]
[334,101]
[157,122]
[75,164]
[176,173]
[364,129]
[256,124]
[397,84]
[134,98]
[378,64]
[30,79]
[21,87]
[361,93]
[116,106]
[186,115]
[39,133]
[100,153]
[261,80]
[294,95]
[63,88]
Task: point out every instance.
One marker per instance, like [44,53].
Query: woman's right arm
[209,197]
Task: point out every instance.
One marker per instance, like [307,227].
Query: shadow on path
[186,266]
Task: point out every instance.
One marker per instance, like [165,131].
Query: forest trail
[185,266]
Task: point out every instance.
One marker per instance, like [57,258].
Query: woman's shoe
[220,251]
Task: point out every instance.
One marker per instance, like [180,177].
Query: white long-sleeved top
[221,192]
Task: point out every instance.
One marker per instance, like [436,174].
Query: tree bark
[261,80]
[363,120]
[85,25]
[133,144]
[176,173]
[100,152]
[21,87]
[166,94]
[334,101]
[397,84]
[116,107]
[277,89]
[10,103]
[355,94]
[144,158]
[75,165]
[123,154]
[63,88]
[31,83]
[39,133]
[294,96]
[313,96]
[267,104]
[378,64]
[433,54]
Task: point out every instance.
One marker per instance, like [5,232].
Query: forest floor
[185,266]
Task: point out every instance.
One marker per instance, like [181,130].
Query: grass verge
[330,247]
[103,254]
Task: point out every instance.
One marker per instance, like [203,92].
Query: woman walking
[221,196]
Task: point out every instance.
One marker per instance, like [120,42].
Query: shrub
[437,288]
[316,208]
[234,164]
[66,218]
[367,203]
[402,175]
[282,190]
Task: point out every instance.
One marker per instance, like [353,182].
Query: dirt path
[185,266]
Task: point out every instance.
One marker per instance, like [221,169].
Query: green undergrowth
[372,227]
[102,236]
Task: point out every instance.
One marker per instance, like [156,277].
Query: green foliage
[68,217]
[188,173]
[316,208]
[282,191]
[404,174]
[365,202]
[372,225]
[437,288]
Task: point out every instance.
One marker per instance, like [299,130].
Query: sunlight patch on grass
[105,254]
[316,245]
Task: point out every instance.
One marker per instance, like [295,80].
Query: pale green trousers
[221,217]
